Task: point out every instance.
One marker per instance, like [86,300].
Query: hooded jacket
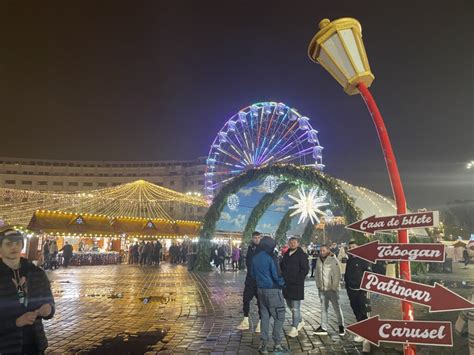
[38,292]
[265,267]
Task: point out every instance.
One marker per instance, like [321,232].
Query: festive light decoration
[271,183]
[308,204]
[139,199]
[233,202]
[259,135]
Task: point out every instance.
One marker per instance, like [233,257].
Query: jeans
[271,305]
[358,299]
[294,307]
[330,296]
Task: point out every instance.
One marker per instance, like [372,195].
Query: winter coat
[265,267]
[249,280]
[235,254]
[38,292]
[328,274]
[294,269]
[67,251]
[355,269]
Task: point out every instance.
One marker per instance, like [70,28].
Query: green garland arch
[283,227]
[291,173]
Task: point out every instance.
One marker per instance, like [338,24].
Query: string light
[139,199]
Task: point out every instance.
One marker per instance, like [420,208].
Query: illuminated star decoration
[271,183]
[233,202]
[307,205]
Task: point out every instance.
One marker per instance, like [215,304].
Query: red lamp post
[338,47]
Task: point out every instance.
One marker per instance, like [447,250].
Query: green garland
[291,173]
[283,227]
[265,202]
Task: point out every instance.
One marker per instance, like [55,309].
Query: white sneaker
[300,325]
[293,332]
[244,325]
[257,328]
[365,347]
[358,339]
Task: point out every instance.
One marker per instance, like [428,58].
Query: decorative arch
[292,175]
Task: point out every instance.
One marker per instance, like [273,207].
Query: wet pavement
[128,309]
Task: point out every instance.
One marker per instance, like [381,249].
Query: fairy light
[139,199]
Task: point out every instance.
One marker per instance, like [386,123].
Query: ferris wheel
[261,134]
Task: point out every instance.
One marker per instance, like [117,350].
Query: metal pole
[398,193]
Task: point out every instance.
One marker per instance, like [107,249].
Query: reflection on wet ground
[125,343]
[128,309]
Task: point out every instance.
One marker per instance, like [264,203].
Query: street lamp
[339,48]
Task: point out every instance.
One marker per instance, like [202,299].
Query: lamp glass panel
[335,48]
[326,61]
[349,40]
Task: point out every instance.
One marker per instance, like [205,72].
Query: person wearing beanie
[25,299]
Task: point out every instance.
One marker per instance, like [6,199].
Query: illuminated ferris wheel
[261,134]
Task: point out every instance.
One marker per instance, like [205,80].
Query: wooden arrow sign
[377,330]
[402,221]
[373,251]
[438,298]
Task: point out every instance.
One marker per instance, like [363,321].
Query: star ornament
[308,205]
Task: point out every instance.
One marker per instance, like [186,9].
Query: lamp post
[339,48]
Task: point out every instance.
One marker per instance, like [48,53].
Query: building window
[172,183]
[159,183]
[10,182]
[201,182]
[73,184]
[26,183]
[102,184]
[87,184]
[57,183]
[42,183]
[173,173]
[115,183]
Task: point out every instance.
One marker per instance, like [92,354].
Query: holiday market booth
[100,239]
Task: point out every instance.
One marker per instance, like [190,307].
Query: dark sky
[132,80]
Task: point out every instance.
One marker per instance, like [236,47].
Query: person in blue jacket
[266,271]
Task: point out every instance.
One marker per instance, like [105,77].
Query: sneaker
[263,349]
[244,325]
[257,328]
[280,349]
[342,331]
[320,331]
[358,339]
[365,347]
[300,325]
[293,332]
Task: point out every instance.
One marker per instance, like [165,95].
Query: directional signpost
[438,298]
[376,330]
[426,252]
[402,221]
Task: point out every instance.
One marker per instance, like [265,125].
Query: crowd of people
[50,255]
[145,253]
[277,281]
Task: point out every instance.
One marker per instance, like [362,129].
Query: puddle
[126,343]
[162,299]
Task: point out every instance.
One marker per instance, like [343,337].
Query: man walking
[328,280]
[250,289]
[269,284]
[294,268]
[67,253]
[25,299]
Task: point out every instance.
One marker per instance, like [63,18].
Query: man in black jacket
[25,299]
[355,269]
[250,289]
[294,268]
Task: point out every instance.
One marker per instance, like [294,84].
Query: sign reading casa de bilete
[402,221]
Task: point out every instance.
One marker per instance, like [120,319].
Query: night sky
[115,80]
